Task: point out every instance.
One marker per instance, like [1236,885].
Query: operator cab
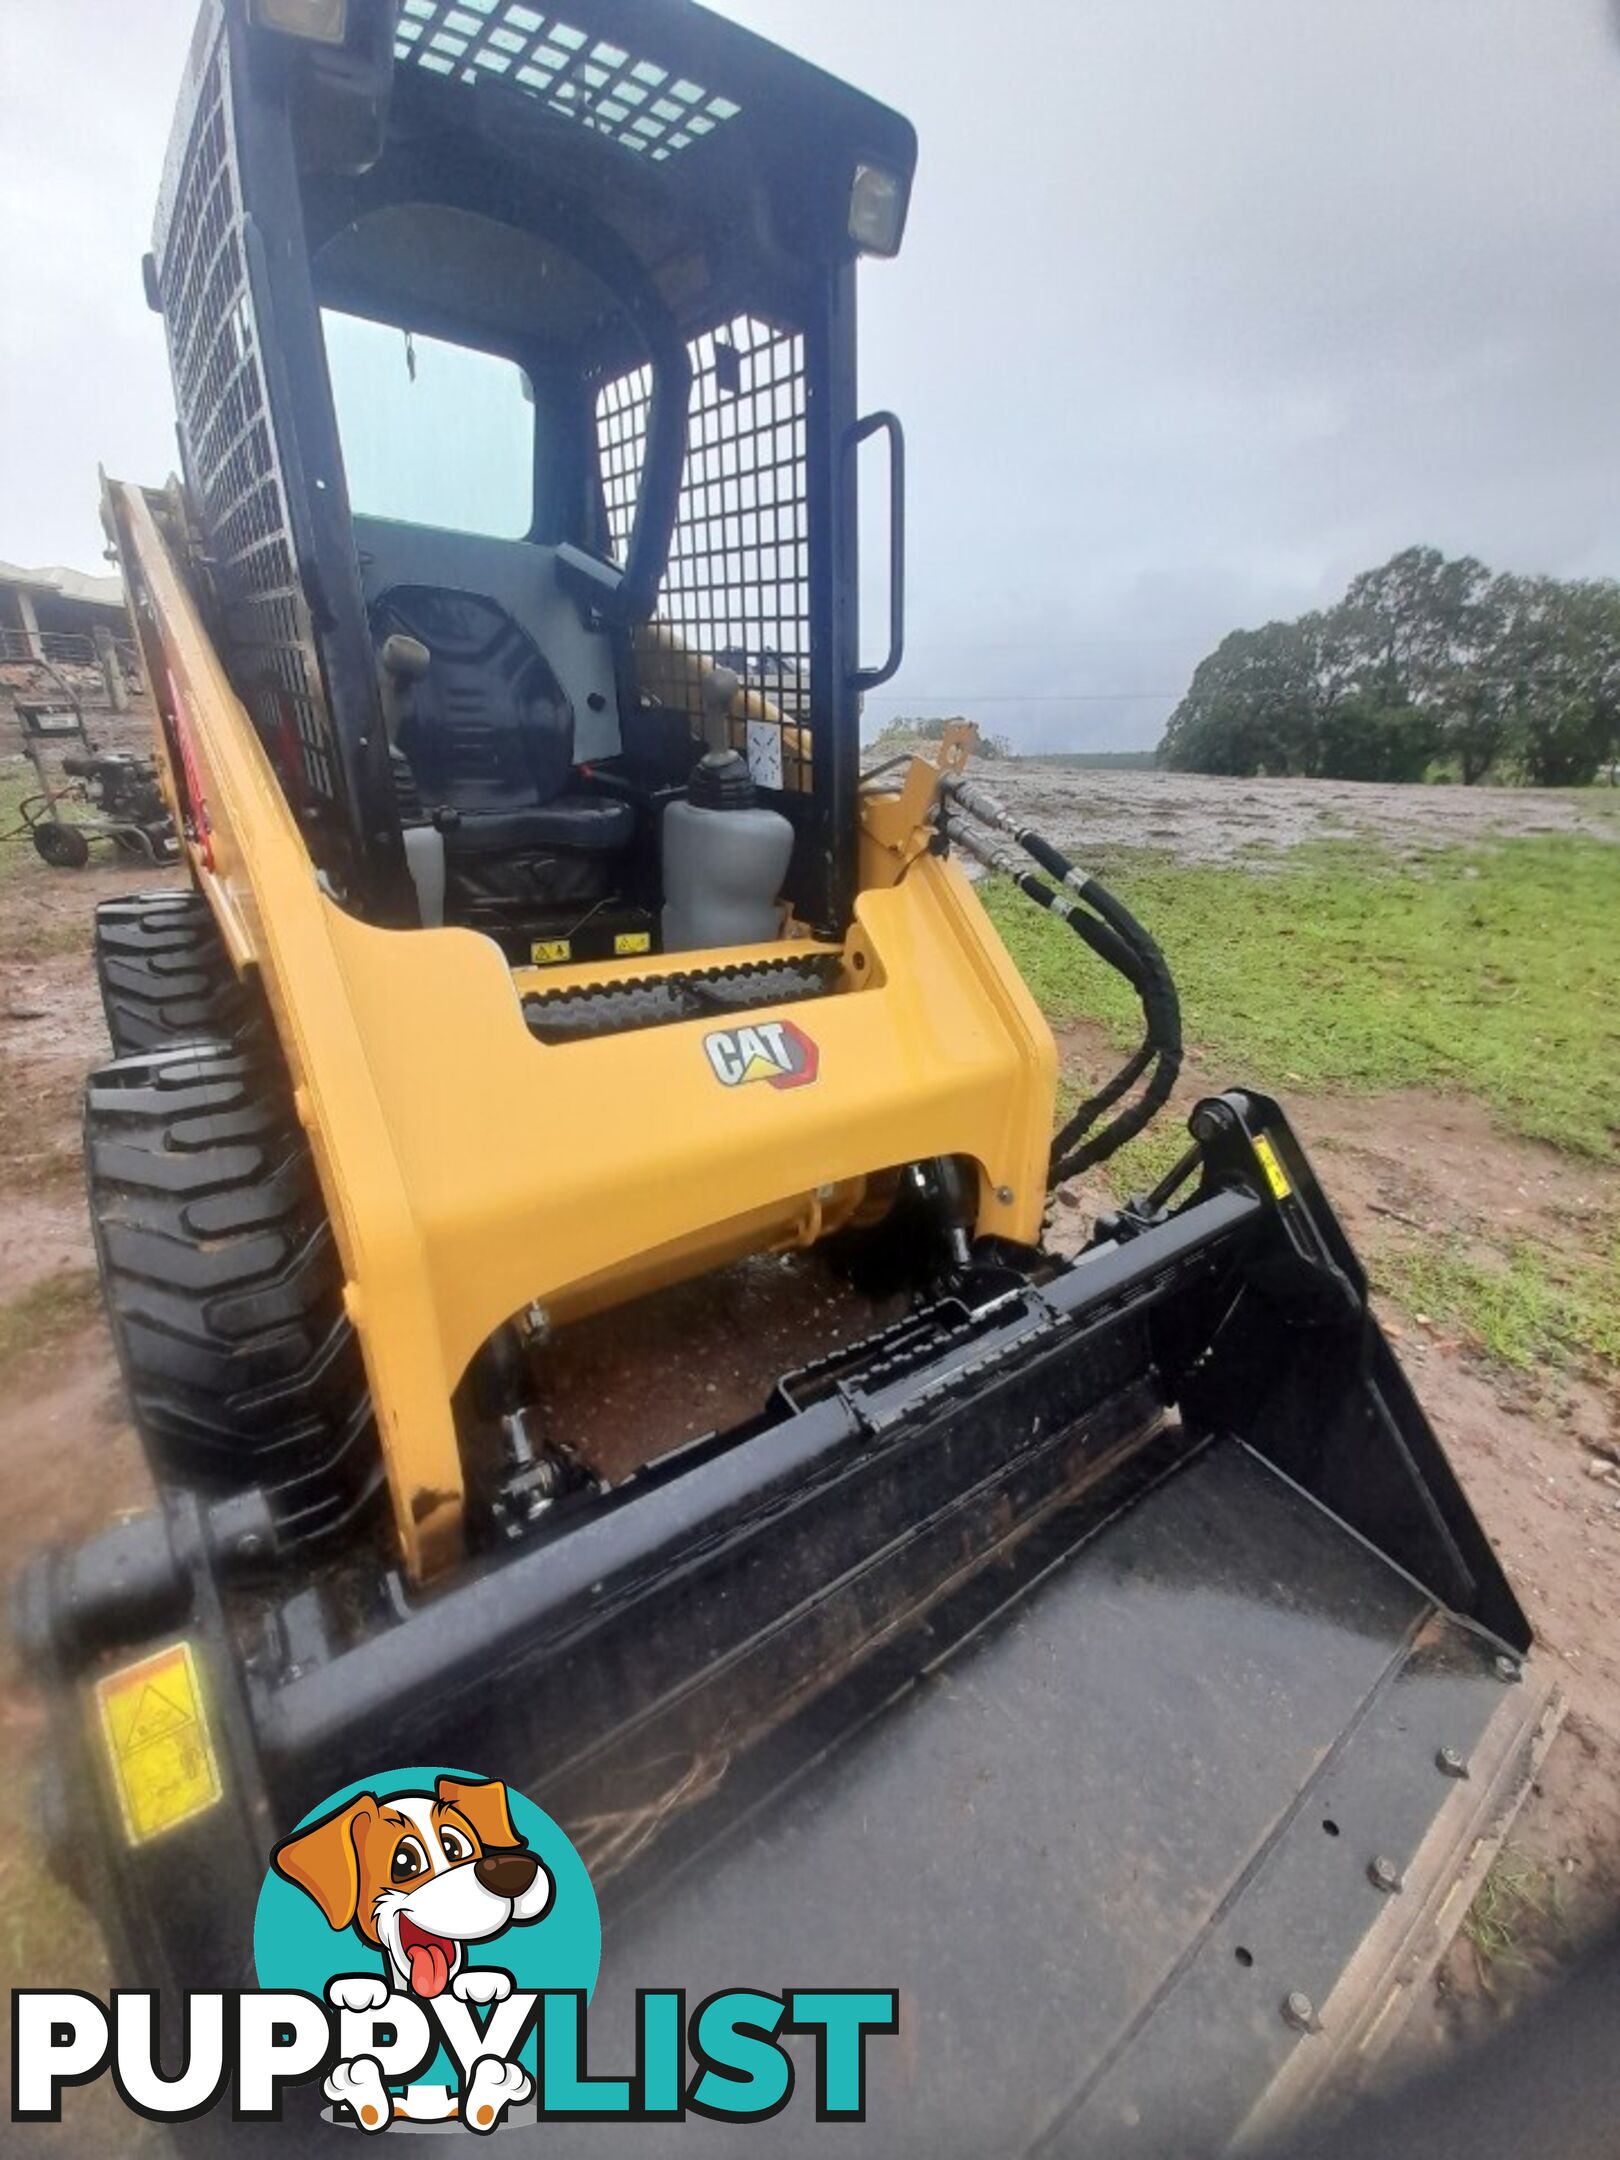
[521,813]
[561,435]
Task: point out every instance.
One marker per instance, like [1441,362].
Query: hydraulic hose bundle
[1114,935]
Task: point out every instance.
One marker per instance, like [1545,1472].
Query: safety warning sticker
[155,1726]
[1276,1177]
[765,753]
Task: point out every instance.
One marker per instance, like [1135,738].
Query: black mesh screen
[229,443]
[655,111]
[737,588]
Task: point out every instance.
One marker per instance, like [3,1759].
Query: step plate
[620,1008]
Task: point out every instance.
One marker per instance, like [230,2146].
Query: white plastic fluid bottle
[725,860]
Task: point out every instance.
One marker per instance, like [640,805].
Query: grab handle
[887,423]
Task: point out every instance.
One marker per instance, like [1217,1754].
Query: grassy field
[16,781]
[1489,972]
[1525,1305]
[1492,971]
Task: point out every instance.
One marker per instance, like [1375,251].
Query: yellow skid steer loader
[1098,1649]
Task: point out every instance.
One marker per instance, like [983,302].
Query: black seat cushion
[488,726]
[592,824]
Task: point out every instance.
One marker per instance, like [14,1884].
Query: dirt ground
[1540,1457]
[1201,820]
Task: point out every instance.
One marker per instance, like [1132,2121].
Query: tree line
[1428,667]
[899,734]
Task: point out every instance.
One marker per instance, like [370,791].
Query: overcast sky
[1205,305]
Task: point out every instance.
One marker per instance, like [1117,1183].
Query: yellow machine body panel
[472,1171]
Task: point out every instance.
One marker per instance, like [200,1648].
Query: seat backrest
[521,576]
[487,726]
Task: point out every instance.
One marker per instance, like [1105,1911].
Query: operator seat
[479,719]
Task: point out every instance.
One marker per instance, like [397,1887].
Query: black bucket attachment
[1106,1657]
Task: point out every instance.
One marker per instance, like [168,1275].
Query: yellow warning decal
[161,1753]
[1266,1156]
[633,941]
[548,951]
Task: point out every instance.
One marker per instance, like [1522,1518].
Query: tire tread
[223,1286]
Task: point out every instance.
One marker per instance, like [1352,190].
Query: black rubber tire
[64,847]
[223,1287]
[165,977]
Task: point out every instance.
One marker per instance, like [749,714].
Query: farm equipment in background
[1099,1648]
[120,797]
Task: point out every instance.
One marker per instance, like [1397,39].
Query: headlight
[322,21]
[877,210]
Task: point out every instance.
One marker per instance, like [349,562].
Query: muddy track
[1199,820]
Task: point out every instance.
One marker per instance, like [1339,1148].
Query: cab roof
[662,79]
[518,147]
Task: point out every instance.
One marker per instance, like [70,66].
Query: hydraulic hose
[1113,933]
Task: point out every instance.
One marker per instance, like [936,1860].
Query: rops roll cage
[755,200]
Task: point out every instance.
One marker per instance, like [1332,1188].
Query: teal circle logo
[420,1877]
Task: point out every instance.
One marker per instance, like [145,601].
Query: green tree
[1423,631]
[1560,658]
[1365,739]
[1251,706]
[1425,657]
[1412,615]
[1469,696]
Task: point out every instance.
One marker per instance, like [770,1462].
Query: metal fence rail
[62,648]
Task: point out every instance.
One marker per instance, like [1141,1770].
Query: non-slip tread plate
[557,1016]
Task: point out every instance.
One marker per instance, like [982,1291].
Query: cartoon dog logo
[418,1876]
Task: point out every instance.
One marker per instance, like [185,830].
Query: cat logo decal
[774,1051]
